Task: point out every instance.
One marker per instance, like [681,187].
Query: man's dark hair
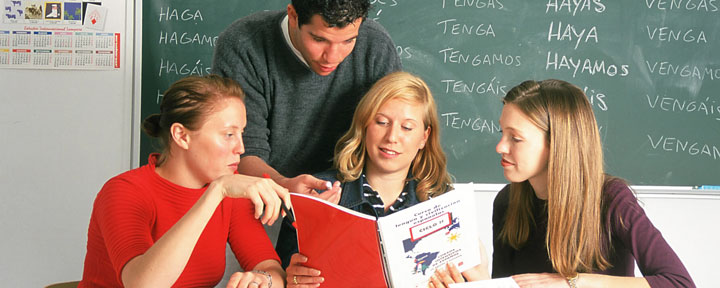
[337,13]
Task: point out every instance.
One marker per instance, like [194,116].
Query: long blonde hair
[429,165]
[576,238]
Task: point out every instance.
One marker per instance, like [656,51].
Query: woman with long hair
[562,221]
[388,160]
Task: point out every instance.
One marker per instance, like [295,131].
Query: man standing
[304,70]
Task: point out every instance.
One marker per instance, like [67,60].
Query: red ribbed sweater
[135,208]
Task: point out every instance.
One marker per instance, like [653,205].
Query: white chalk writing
[479,4]
[569,32]
[453,120]
[597,98]
[381,4]
[665,34]
[451,55]
[186,38]
[708,107]
[689,5]
[458,86]
[665,68]
[449,26]
[198,68]
[672,144]
[404,52]
[384,2]
[168,14]
[584,65]
[574,6]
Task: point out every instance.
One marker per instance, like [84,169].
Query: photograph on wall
[53,10]
[84,7]
[73,11]
[33,10]
[95,17]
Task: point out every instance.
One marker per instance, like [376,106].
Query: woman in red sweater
[167,223]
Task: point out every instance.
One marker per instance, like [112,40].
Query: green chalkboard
[651,69]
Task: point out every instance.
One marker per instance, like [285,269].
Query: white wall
[689,224]
[63,133]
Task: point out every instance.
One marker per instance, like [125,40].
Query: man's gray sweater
[296,116]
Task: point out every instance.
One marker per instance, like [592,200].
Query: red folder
[340,242]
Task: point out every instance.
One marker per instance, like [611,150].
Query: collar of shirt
[371,196]
[286,33]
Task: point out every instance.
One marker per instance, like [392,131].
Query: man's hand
[309,185]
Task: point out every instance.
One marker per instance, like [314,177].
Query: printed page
[340,242]
[422,238]
[493,283]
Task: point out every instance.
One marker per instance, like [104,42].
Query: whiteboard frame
[677,192]
[136,86]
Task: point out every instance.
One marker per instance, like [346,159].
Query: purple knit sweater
[635,239]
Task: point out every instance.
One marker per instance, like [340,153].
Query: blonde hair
[429,165]
[576,240]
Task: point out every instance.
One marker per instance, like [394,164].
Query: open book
[399,250]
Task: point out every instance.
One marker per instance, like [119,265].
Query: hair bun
[151,125]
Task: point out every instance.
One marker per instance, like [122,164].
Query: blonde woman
[388,160]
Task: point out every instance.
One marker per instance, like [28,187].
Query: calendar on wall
[57,35]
